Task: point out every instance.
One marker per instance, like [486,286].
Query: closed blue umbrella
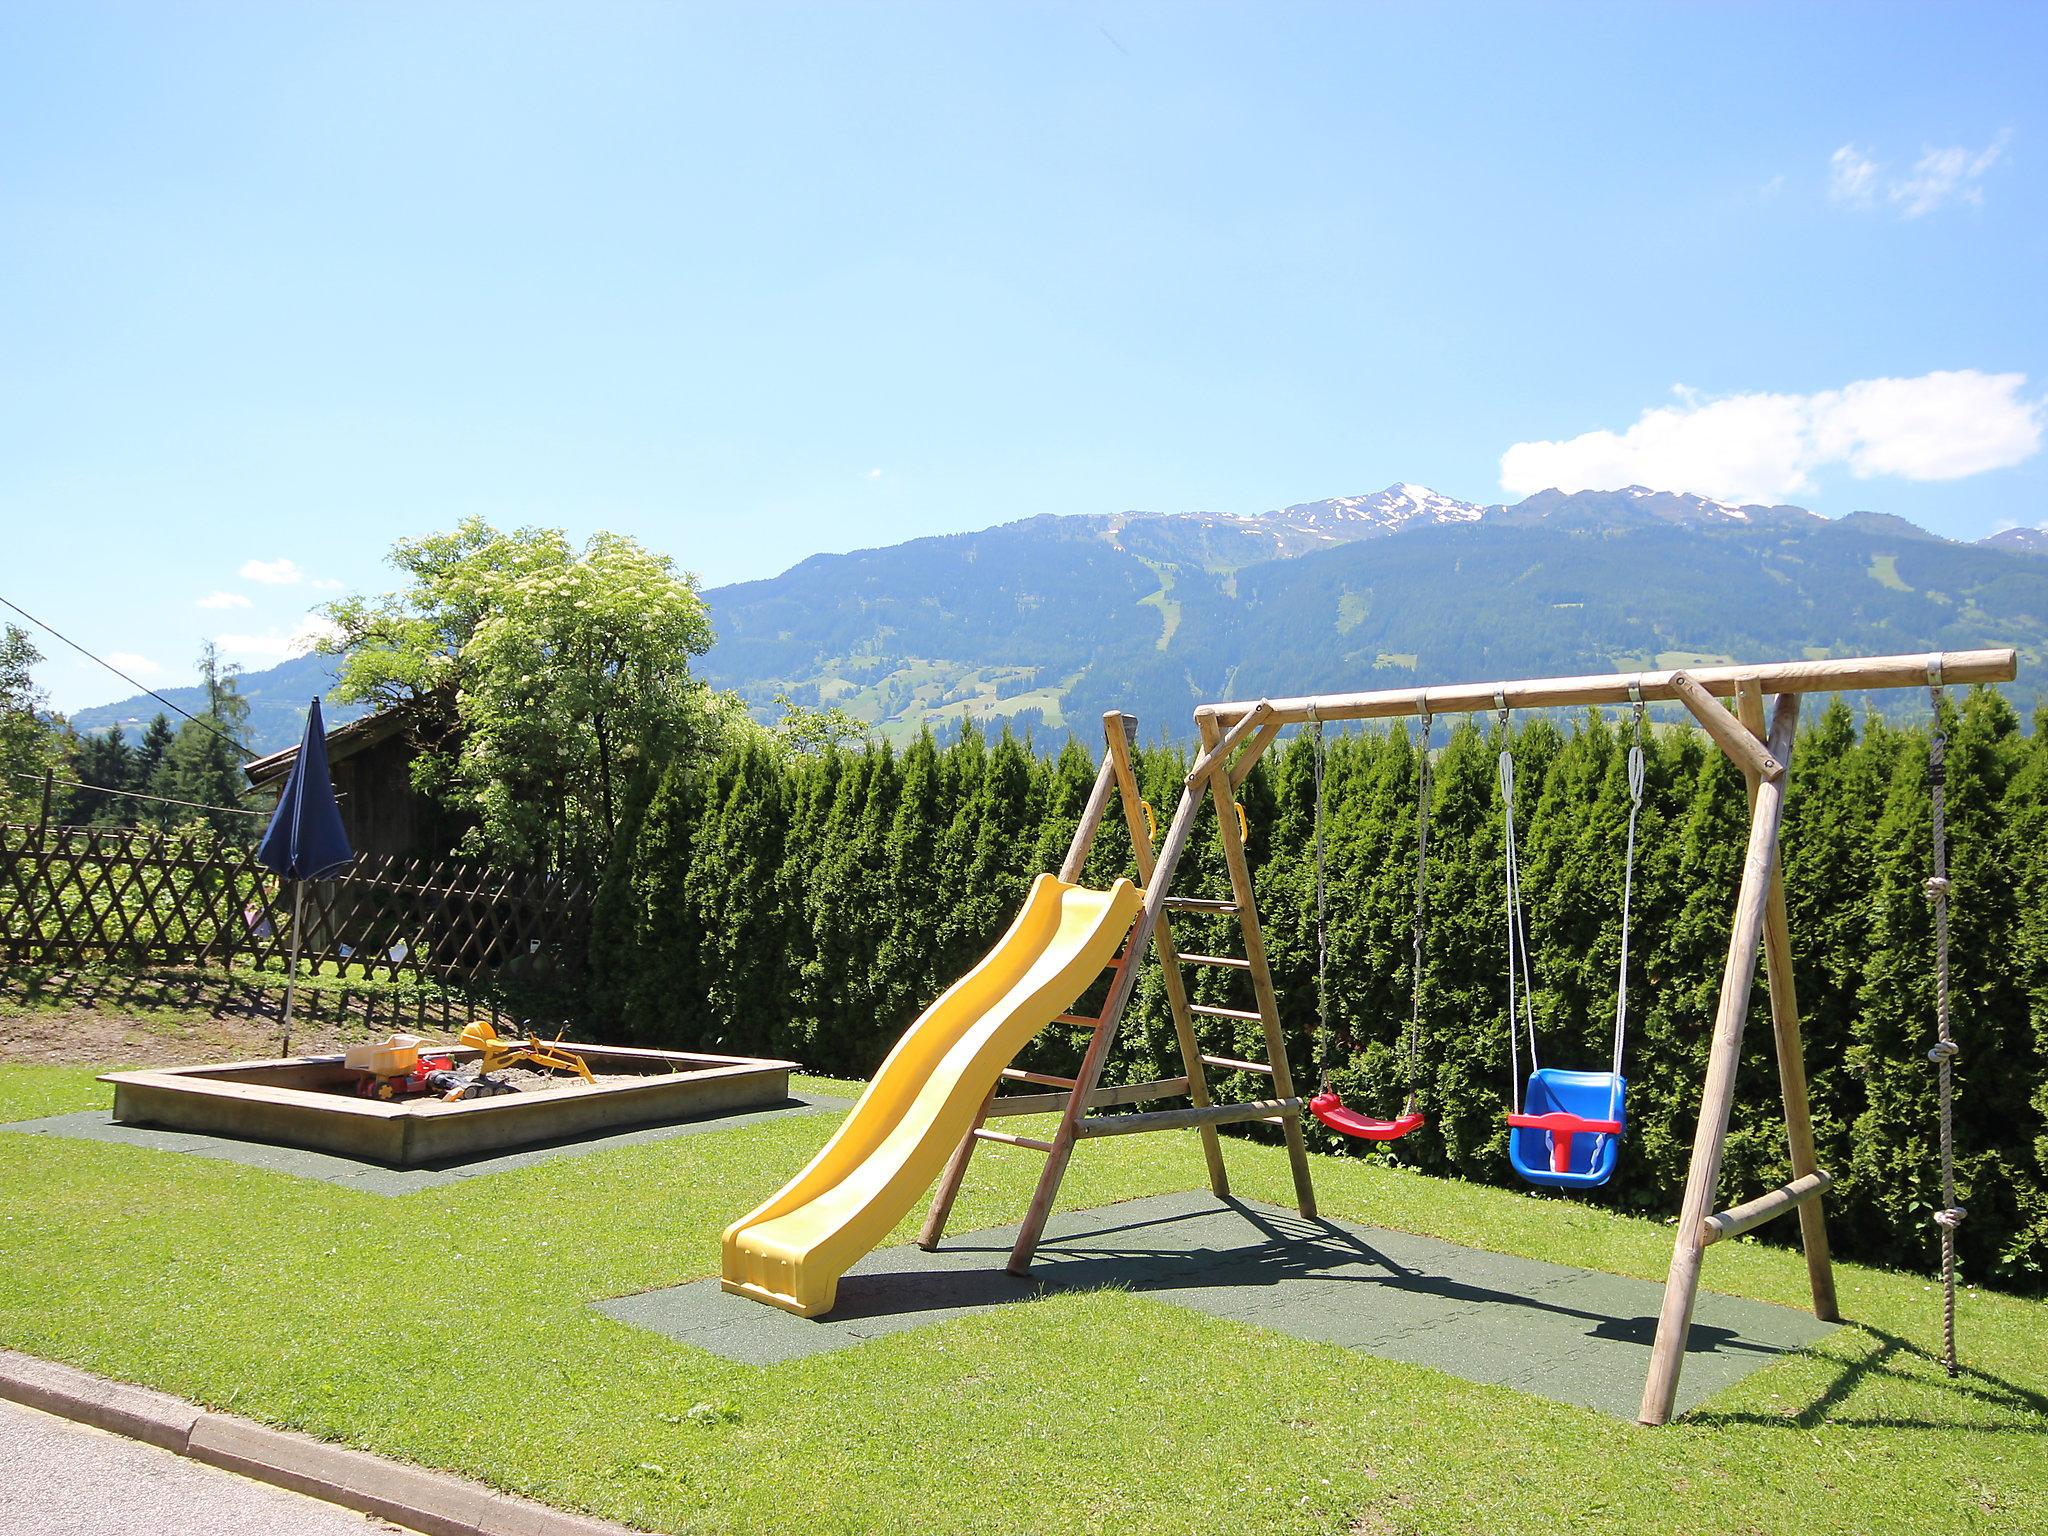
[305,839]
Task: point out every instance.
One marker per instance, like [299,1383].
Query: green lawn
[450,1327]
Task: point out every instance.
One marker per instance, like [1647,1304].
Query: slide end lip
[777,1299]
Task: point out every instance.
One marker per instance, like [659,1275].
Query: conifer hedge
[809,907]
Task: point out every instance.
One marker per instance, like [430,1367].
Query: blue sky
[282,283]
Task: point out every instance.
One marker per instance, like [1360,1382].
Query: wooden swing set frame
[1233,739]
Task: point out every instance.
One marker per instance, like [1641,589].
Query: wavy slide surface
[791,1251]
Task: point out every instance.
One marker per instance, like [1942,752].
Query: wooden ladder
[1074,1097]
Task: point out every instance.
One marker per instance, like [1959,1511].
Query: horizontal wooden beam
[1172,1119]
[1843,675]
[1754,1213]
[1101,1098]
[1232,1064]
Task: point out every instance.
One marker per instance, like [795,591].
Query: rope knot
[1943,1050]
[1950,1218]
[1937,888]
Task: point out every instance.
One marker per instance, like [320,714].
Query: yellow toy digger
[500,1052]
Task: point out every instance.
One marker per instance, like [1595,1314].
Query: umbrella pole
[291,978]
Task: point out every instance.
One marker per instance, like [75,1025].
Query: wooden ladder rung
[1232,1064]
[1044,1079]
[1200,904]
[1004,1138]
[1240,1014]
[1227,962]
[1077,1021]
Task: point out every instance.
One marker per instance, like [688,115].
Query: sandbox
[308,1101]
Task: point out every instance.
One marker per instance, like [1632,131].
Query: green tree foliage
[539,677]
[201,764]
[813,904]
[31,744]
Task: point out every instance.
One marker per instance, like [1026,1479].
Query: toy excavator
[500,1052]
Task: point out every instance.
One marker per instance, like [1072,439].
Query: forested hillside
[1053,620]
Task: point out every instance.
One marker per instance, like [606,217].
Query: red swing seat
[1329,1109]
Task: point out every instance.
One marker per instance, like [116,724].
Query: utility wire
[131,794]
[167,704]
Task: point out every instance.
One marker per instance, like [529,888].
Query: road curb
[431,1502]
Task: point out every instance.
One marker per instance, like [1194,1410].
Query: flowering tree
[536,677]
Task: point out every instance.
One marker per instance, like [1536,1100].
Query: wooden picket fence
[87,896]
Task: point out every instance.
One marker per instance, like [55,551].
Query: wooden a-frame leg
[1813,1225]
[1105,1036]
[1717,1095]
[1118,728]
[1262,975]
[950,1181]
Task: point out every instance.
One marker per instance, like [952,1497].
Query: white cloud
[873,474]
[1951,174]
[135,665]
[272,573]
[1852,176]
[275,645]
[1766,447]
[223,600]
[327,584]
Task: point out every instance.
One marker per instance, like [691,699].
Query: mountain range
[1047,622]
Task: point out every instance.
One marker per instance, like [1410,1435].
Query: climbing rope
[1518,943]
[1943,1054]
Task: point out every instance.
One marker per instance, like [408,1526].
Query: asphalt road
[58,1478]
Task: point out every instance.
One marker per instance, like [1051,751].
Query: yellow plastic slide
[791,1251]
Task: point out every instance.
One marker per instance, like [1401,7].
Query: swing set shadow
[1977,1388]
[1284,1247]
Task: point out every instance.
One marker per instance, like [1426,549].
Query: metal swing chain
[1628,874]
[1518,944]
[1943,1054]
[1423,789]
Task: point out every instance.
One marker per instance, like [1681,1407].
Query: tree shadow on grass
[230,995]
[1975,1392]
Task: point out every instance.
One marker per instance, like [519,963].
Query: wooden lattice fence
[82,896]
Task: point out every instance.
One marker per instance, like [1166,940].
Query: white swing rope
[1943,1054]
[1325,1035]
[1424,788]
[1628,884]
[1518,943]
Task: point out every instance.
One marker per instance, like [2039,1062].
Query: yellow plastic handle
[1151,821]
[1244,826]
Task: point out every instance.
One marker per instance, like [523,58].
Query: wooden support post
[948,1188]
[1119,728]
[1287,1111]
[1048,1189]
[1813,1221]
[950,1181]
[1745,750]
[1255,951]
[1717,1095]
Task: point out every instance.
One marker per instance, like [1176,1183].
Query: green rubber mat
[1572,1335]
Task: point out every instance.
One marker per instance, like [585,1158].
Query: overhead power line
[204,725]
[132,794]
